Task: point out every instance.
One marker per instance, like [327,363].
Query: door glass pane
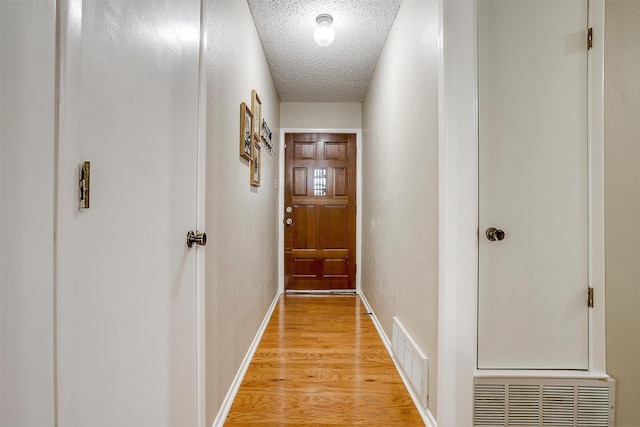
[320,182]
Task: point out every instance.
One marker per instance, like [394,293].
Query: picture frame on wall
[266,136]
[246,131]
[256,109]
[256,165]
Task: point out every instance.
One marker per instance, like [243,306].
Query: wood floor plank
[321,362]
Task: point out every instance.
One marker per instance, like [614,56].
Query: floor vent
[411,360]
[509,401]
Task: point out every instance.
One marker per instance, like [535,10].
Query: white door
[533,181]
[27,198]
[126,302]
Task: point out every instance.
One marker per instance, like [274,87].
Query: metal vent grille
[411,360]
[524,405]
[490,405]
[593,406]
[416,369]
[558,405]
[545,402]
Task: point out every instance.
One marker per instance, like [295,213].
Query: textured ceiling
[306,72]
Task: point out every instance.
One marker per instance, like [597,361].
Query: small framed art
[256,109]
[256,165]
[246,130]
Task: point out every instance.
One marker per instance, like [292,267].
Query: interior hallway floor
[321,361]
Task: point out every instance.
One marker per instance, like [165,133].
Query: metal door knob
[198,239]
[288,221]
[494,234]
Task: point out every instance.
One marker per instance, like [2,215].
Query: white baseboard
[235,385]
[426,415]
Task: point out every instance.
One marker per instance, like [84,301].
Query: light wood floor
[321,361]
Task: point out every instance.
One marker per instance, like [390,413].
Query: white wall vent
[411,360]
[514,401]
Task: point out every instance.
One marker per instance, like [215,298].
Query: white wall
[400,181]
[27,119]
[622,204]
[241,255]
[458,212]
[320,115]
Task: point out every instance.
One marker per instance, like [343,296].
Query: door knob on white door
[198,239]
[494,234]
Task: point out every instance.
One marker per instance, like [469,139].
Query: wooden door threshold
[321,292]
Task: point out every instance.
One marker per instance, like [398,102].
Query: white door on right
[533,185]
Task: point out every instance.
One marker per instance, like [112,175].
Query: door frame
[280,184]
[201,179]
[458,200]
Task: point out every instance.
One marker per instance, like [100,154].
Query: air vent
[558,405]
[490,405]
[523,405]
[594,405]
[510,401]
[411,360]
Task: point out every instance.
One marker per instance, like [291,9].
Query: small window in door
[320,182]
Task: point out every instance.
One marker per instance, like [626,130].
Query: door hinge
[85,184]
[590,297]
[590,39]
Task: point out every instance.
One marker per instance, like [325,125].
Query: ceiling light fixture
[324,34]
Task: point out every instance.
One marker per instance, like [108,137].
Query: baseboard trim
[235,385]
[426,415]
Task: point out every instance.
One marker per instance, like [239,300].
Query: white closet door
[127,280]
[533,181]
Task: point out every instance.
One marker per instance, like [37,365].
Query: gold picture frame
[256,165]
[256,109]
[246,132]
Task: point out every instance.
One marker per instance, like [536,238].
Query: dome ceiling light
[324,34]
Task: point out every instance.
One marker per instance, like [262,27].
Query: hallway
[321,361]
[111,316]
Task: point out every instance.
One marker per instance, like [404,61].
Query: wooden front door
[320,211]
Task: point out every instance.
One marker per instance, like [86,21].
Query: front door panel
[320,211]
[533,175]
